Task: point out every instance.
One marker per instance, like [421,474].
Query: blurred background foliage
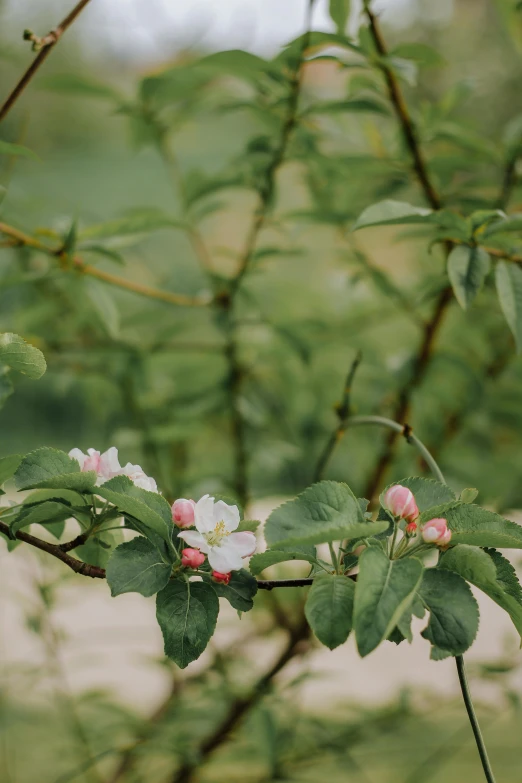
[152,169]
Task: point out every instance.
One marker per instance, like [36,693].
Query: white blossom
[107,465]
[215,537]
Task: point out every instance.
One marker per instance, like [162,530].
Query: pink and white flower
[183,512]
[215,537]
[401,503]
[192,558]
[436,531]
[138,477]
[107,465]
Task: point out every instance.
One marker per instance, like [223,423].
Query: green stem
[466,695]
[394,538]
[335,559]
[382,421]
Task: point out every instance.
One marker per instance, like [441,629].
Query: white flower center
[215,537]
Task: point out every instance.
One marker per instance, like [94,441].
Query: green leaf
[420,53]
[508,278]
[16,150]
[240,591]
[236,62]
[454,615]
[150,512]
[70,239]
[339,11]
[405,69]
[506,575]
[42,514]
[491,573]
[187,614]
[470,524]
[389,213]
[250,525]
[263,560]
[468,495]
[427,492]
[327,511]
[137,567]
[505,225]
[329,608]
[66,496]
[8,467]
[385,590]
[140,221]
[467,270]
[21,356]
[97,550]
[52,469]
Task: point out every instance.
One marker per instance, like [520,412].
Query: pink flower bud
[410,529]
[192,558]
[400,502]
[183,512]
[436,531]
[224,579]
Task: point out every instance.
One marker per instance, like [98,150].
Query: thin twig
[47,44]
[77,264]
[343,411]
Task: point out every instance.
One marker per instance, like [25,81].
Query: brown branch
[47,44]
[432,326]
[403,405]
[343,412]
[84,569]
[76,263]
[403,115]
[78,541]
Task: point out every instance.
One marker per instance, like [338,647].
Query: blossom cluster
[400,502]
[107,466]
[215,535]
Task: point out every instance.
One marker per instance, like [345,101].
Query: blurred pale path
[110,642]
[153,29]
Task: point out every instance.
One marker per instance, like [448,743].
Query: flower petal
[244,543]
[225,558]
[109,463]
[195,539]
[227,514]
[78,455]
[204,514]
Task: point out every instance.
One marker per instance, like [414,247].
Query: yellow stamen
[219,532]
